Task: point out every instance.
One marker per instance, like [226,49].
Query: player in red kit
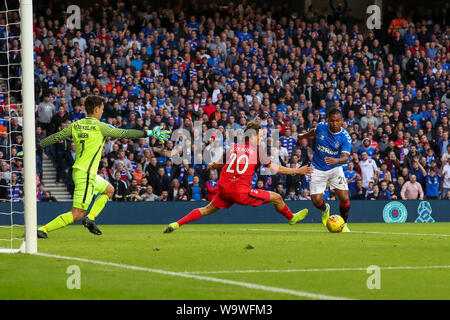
[235,182]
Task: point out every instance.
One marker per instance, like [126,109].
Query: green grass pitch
[264,261]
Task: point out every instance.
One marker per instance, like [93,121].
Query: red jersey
[236,176]
[237,173]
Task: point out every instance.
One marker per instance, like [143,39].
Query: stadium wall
[166,212]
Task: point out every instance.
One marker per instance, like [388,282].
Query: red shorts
[249,197]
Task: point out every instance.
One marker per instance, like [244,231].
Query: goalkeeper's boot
[345,228]
[172,227]
[325,214]
[298,216]
[92,227]
[42,234]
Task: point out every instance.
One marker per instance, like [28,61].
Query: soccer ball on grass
[335,223]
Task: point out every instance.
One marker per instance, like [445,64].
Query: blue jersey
[329,144]
[352,184]
[370,151]
[432,185]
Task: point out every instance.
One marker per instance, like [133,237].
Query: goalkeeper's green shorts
[86,187]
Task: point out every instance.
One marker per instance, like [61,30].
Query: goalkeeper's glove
[158,133]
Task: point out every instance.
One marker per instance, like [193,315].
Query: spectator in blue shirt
[416,170]
[77,114]
[196,191]
[214,60]
[432,51]
[431,182]
[351,175]
[291,195]
[410,37]
[384,193]
[244,35]
[148,30]
[417,115]
[193,25]
[137,62]
[366,147]
[282,105]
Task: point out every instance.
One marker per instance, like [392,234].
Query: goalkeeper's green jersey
[89,137]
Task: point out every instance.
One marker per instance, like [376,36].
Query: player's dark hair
[91,102]
[334,111]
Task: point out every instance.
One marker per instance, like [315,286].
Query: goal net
[17,136]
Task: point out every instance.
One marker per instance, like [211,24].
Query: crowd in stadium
[227,65]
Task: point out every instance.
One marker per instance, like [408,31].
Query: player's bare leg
[317,200]
[282,208]
[344,206]
[192,216]
[77,214]
[97,207]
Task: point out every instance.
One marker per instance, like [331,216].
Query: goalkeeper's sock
[286,212]
[59,222]
[98,206]
[192,216]
[344,209]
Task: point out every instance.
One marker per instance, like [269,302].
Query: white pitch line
[372,232]
[318,270]
[302,294]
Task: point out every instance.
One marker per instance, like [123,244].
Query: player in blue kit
[331,152]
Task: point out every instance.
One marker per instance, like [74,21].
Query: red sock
[286,212]
[321,206]
[192,216]
[344,209]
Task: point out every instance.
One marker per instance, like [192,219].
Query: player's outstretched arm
[58,136]
[305,170]
[157,132]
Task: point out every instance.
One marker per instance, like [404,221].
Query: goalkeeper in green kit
[89,137]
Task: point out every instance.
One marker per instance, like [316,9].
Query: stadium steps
[58,190]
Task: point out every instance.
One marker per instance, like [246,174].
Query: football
[335,223]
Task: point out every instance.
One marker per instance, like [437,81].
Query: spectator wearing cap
[287,124]
[366,147]
[384,143]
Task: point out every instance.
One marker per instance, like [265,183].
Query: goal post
[22,71]
[29,134]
